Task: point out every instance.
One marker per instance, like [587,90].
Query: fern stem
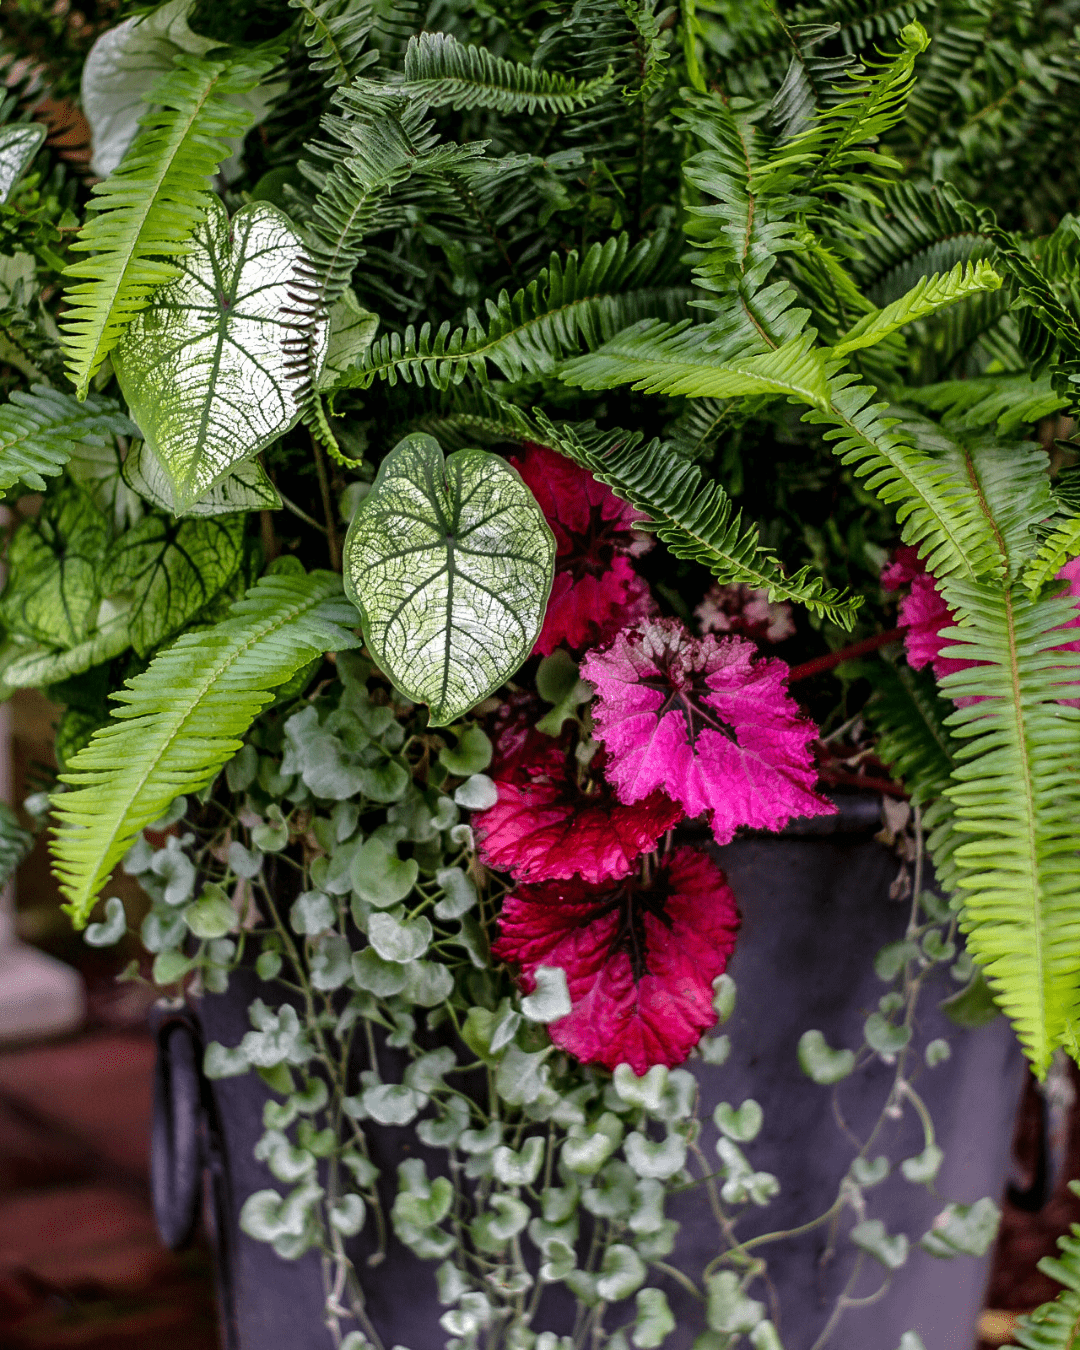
[332,540]
[856,649]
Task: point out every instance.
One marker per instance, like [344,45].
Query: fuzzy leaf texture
[38,430]
[183,718]
[1016,798]
[148,209]
[443,72]
[450,564]
[205,366]
[694,520]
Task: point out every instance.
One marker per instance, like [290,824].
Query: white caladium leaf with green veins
[245,488]
[450,564]
[123,66]
[205,367]
[19,143]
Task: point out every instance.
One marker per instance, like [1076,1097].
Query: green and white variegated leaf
[19,143]
[97,465]
[352,331]
[123,66]
[205,367]
[450,564]
[55,564]
[167,571]
[30,665]
[39,430]
[245,488]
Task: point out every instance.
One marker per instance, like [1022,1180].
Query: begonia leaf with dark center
[706,722]
[640,957]
[555,819]
[593,550]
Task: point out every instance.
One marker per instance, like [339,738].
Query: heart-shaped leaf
[622,1272]
[887,1038]
[244,488]
[869,1172]
[551,999]
[205,366]
[108,933]
[924,1167]
[820,1062]
[963,1230]
[55,565]
[450,564]
[871,1236]
[654,1321]
[19,143]
[741,1125]
[171,569]
[398,939]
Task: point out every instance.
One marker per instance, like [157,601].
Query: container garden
[453,452]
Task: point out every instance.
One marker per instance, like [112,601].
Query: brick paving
[81,1265]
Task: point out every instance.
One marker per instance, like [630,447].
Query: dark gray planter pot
[815,911]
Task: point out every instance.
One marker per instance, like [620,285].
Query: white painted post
[39,996]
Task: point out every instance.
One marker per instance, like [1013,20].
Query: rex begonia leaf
[205,366]
[639,957]
[705,722]
[244,488]
[55,562]
[172,569]
[19,143]
[595,590]
[555,818]
[450,563]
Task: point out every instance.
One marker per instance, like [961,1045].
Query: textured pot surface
[814,914]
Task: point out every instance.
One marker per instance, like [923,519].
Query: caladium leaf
[171,569]
[205,367]
[123,66]
[19,143]
[244,488]
[97,465]
[55,562]
[450,564]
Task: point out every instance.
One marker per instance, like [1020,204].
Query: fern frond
[1010,401]
[912,231]
[568,306]
[150,206]
[937,508]
[810,82]
[375,148]
[1016,797]
[926,297]
[39,429]
[443,72]
[909,716]
[1061,547]
[183,718]
[336,33]
[695,520]
[1056,1325]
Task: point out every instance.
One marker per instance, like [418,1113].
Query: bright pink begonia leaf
[923,614]
[595,590]
[554,819]
[705,722]
[640,958]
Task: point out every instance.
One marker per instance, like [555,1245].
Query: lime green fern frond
[926,297]
[695,520]
[441,72]
[1009,400]
[1016,798]
[183,718]
[1059,548]
[39,429]
[147,210]
[937,508]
